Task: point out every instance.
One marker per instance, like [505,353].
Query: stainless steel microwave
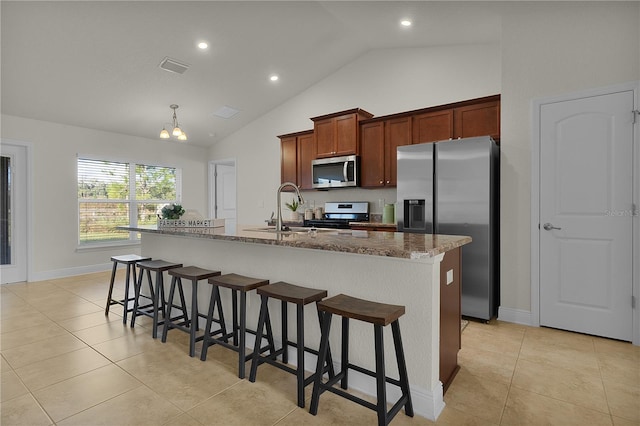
[335,172]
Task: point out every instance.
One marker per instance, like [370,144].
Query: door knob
[548,227]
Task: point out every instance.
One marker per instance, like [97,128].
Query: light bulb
[177,131]
[164,134]
[182,137]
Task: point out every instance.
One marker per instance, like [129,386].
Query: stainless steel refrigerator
[452,187]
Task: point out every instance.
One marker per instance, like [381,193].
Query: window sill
[103,246]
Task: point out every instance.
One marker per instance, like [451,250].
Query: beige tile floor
[63,362]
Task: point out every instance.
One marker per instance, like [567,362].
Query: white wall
[382,82]
[53,242]
[548,50]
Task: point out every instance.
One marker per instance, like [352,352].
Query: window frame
[133,202]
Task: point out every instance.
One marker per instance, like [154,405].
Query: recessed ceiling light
[274,77]
[405,23]
[203,45]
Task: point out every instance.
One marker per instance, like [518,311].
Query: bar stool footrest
[373,374]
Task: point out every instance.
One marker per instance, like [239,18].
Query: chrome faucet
[279,226]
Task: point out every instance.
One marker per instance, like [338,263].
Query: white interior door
[13,213]
[586,209]
[224,197]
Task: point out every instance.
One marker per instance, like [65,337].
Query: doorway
[584,219]
[13,212]
[222,192]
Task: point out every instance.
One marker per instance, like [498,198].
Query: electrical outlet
[449,276]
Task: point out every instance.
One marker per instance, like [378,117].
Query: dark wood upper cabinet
[338,133]
[372,155]
[288,159]
[306,153]
[296,152]
[433,126]
[379,140]
[479,119]
[375,140]
[397,133]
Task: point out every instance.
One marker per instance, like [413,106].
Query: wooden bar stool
[300,296]
[156,297]
[190,326]
[237,284]
[130,260]
[380,315]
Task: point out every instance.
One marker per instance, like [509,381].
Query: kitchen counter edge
[385,244]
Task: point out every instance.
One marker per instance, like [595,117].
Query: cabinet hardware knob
[388,181]
[381,181]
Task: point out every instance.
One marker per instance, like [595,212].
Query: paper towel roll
[389,213]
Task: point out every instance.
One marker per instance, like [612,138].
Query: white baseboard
[517,316]
[69,272]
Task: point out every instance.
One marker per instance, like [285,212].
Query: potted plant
[172,211]
[293,206]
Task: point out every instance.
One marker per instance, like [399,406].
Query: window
[112,194]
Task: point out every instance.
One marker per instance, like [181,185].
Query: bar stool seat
[380,315]
[130,261]
[237,284]
[190,326]
[300,296]
[156,296]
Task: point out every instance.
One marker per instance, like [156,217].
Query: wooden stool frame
[384,416]
[157,295]
[130,260]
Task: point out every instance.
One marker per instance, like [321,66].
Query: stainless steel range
[338,214]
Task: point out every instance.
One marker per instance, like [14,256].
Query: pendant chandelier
[177,131]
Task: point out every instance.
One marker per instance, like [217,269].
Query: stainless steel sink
[291,230]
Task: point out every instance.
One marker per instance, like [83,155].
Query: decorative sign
[190,223]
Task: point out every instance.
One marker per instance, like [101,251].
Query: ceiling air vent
[226,112]
[172,65]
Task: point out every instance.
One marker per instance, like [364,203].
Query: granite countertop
[387,244]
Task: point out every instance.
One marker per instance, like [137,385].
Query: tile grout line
[504,407]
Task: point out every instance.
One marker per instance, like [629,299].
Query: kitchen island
[395,268]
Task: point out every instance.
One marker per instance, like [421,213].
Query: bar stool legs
[379,315]
[194,274]
[300,296]
[237,284]
[130,261]
[156,295]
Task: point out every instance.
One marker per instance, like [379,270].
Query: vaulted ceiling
[96,64]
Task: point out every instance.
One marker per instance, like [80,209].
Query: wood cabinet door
[397,133]
[450,315]
[288,160]
[306,153]
[477,120]
[346,140]
[432,126]
[372,155]
[324,137]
